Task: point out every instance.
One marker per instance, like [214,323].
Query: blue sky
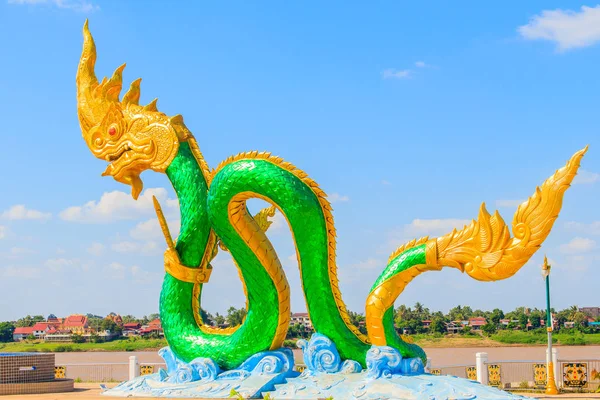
[408,115]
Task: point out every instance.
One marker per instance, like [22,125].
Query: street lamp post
[550,383]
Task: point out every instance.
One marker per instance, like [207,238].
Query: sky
[408,115]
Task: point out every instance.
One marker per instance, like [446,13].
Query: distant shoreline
[506,339]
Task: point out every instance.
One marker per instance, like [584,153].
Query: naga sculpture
[134,138]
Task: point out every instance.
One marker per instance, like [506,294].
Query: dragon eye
[112,130]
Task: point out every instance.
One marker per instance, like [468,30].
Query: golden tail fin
[485,250]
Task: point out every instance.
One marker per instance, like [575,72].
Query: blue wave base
[202,377]
[388,376]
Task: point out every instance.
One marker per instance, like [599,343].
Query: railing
[97,372]
[581,375]
[105,372]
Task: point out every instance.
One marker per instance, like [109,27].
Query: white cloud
[584,177]
[150,230]
[386,183]
[21,272]
[142,276]
[20,212]
[391,73]
[75,5]
[593,228]
[419,228]
[147,248]
[279,223]
[117,205]
[430,227]
[420,64]
[509,203]
[59,264]
[336,198]
[96,249]
[3,231]
[578,245]
[568,29]
[16,252]
[60,251]
[115,270]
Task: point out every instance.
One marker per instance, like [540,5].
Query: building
[426,323]
[593,312]
[116,318]
[77,324]
[454,327]
[22,333]
[477,322]
[153,326]
[131,329]
[302,319]
[41,329]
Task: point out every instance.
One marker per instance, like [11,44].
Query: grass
[534,338]
[124,344]
[502,338]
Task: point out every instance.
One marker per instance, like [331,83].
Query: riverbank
[501,339]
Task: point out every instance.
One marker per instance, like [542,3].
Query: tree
[489,329]
[235,316]
[77,338]
[6,331]
[29,321]
[129,318]
[356,320]
[206,317]
[219,319]
[580,319]
[437,325]
[535,319]
[110,325]
[496,316]
[523,321]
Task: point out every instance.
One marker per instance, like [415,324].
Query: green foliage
[94,338]
[29,321]
[6,331]
[489,329]
[235,316]
[437,325]
[496,316]
[219,319]
[77,338]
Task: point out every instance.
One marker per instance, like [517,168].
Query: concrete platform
[91,391]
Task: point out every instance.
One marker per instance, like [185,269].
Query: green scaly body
[203,208]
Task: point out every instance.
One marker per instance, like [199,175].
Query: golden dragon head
[130,137]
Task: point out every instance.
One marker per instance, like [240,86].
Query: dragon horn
[86,77]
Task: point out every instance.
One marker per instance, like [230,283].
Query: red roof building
[77,324]
[22,333]
[477,322]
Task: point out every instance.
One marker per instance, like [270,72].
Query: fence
[106,372]
[570,375]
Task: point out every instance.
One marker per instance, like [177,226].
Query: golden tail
[485,250]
